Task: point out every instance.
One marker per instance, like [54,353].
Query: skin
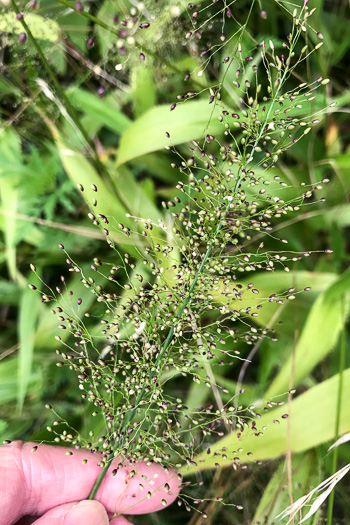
[54,486]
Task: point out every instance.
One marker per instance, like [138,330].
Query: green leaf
[143,94]
[275,283]
[9,292]
[10,161]
[189,121]
[106,38]
[9,381]
[312,422]
[134,198]
[276,497]
[9,207]
[158,164]
[80,171]
[106,111]
[128,199]
[47,326]
[319,335]
[41,28]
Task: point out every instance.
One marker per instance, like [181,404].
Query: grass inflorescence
[178,297]
[178,310]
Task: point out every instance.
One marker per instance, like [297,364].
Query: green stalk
[337,414]
[70,109]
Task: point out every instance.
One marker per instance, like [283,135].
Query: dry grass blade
[343,439]
[325,488]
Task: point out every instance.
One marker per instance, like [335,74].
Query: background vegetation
[92,105]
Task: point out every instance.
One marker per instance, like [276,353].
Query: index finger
[41,477]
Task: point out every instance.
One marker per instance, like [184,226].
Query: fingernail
[87,512]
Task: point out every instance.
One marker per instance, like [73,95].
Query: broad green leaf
[189,121]
[9,381]
[276,496]
[16,428]
[8,196]
[116,206]
[41,28]
[312,422]
[10,159]
[47,327]
[275,283]
[75,27]
[28,309]
[135,199]
[319,335]
[105,111]
[106,38]
[336,215]
[80,171]
[143,93]
[158,165]
[9,292]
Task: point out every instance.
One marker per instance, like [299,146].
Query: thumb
[87,512]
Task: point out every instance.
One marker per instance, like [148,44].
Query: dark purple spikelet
[101,92]
[142,57]
[79,6]
[22,38]
[263,14]
[173,107]
[33,4]
[90,43]
[144,25]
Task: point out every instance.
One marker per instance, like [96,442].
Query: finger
[39,481]
[83,512]
[120,520]
[146,489]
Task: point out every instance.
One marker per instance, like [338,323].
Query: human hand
[54,485]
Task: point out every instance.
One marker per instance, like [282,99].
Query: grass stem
[337,413]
